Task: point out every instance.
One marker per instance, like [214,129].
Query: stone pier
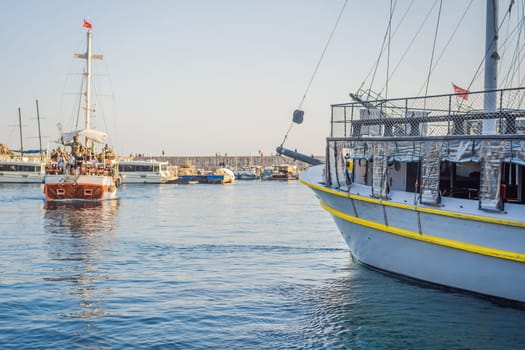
[218,161]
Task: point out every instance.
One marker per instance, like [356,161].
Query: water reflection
[79,247]
[367,309]
[82,217]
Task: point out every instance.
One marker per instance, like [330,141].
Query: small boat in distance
[249,173]
[22,168]
[189,174]
[283,172]
[146,171]
[431,189]
[83,174]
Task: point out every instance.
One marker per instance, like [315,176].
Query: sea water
[250,265]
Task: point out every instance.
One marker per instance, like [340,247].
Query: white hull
[146,172]
[456,246]
[21,171]
[21,177]
[144,178]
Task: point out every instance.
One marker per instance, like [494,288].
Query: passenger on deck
[61,163]
[54,155]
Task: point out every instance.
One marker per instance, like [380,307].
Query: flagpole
[491,66]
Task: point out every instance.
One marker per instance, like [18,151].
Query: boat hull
[151,178]
[79,187]
[482,255]
[6,177]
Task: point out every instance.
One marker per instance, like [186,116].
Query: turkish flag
[462,93]
[87,25]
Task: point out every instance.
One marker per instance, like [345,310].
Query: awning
[90,134]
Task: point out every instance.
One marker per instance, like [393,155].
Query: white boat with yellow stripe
[431,189]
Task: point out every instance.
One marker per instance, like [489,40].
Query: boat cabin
[433,146]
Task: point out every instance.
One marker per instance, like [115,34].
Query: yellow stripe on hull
[472,248]
[417,208]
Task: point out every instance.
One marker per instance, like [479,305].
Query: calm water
[245,266]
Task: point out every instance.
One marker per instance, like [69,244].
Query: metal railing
[429,116]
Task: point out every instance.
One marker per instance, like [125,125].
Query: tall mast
[88,56]
[39,133]
[491,65]
[88,80]
[21,138]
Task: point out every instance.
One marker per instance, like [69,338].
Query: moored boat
[226,175]
[83,174]
[146,171]
[432,190]
[283,172]
[23,170]
[249,173]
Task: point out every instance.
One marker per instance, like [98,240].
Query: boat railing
[429,116]
[86,168]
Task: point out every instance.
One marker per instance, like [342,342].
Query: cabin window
[88,192]
[61,192]
[459,180]
[136,167]
[18,167]
[363,171]
[403,176]
[512,183]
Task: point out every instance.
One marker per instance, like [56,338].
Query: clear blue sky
[202,77]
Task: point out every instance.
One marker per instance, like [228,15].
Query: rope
[479,70]
[416,35]
[317,66]
[374,67]
[433,49]
[449,41]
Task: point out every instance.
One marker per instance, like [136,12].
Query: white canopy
[91,134]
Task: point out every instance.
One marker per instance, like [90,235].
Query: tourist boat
[92,175]
[423,189]
[22,170]
[146,172]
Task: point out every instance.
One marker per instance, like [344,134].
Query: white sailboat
[87,175]
[446,208]
[23,168]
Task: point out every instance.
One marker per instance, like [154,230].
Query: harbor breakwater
[218,161]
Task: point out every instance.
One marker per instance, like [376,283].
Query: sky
[204,77]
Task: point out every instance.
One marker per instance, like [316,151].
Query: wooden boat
[83,174]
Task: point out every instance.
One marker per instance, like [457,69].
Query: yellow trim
[417,208]
[472,248]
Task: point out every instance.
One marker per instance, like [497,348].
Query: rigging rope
[449,41]
[433,48]
[317,66]
[479,70]
[388,47]
[382,49]
[373,68]
[412,41]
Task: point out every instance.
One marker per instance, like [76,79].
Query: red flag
[87,25]
[462,93]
